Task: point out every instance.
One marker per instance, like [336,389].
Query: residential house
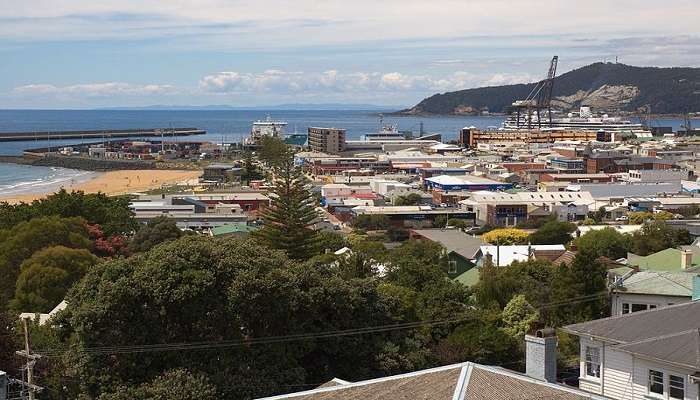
[461,249]
[503,256]
[643,355]
[648,290]
[673,260]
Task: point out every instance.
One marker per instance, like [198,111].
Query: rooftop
[453,240]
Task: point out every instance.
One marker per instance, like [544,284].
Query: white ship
[583,120]
[263,128]
[386,132]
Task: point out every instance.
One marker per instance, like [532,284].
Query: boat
[264,128]
[583,120]
[385,132]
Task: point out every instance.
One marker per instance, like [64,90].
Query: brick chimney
[541,355]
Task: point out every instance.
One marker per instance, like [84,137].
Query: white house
[647,290]
[651,354]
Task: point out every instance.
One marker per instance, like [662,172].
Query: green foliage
[518,317]
[291,213]
[604,242]
[597,215]
[640,217]
[553,232]
[497,286]
[273,151]
[689,211]
[25,238]
[416,263]
[371,222]
[158,230]
[111,213]
[663,216]
[441,221]
[178,384]
[656,236]
[411,199]
[329,241]
[585,281]
[46,276]
[250,170]
[506,236]
[197,289]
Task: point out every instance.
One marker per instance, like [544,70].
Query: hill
[603,86]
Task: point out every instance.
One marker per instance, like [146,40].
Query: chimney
[686,259]
[541,355]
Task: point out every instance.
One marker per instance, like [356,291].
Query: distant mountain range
[603,86]
[288,107]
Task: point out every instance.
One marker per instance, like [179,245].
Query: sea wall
[81,163]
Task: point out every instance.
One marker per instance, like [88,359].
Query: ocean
[221,125]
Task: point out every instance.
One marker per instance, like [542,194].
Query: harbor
[99,134]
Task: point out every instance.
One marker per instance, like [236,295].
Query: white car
[622,218]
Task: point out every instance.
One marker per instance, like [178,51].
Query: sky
[100,53]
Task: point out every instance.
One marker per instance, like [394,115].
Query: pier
[106,134]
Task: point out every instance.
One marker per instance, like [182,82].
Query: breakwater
[81,163]
[103,134]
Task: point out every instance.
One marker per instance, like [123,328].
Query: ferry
[583,120]
[271,128]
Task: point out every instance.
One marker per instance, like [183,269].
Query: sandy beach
[118,182]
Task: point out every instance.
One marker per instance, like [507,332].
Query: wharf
[106,134]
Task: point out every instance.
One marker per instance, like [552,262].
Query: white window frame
[626,306]
[451,267]
[682,387]
[593,361]
[663,383]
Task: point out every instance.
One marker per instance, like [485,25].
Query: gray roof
[458,381]
[682,348]
[659,283]
[604,190]
[668,334]
[454,240]
[643,325]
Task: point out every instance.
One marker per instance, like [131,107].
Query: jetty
[100,134]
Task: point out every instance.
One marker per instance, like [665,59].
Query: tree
[291,213]
[21,241]
[640,217]
[111,213]
[585,282]
[411,199]
[47,275]
[656,236]
[553,232]
[372,222]
[506,236]
[497,286]
[663,216]
[604,242]
[518,317]
[273,151]
[328,240]
[250,170]
[247,292]
[597,215]
[178,384]
[158,230]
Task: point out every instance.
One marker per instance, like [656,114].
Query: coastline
[112,183]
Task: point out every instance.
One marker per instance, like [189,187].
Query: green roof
[659,283]
[468,278]
[664,260]
[232,228]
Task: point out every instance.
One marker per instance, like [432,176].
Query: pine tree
[250,171]
[291,212]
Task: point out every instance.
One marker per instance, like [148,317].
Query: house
[451,382]
[461,249]
[648,290]
[666,260]
[237,230]
[503,256]
[44,318]
[643,355]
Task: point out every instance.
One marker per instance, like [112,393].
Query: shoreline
[114,183]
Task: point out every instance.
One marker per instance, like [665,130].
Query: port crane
[539,99]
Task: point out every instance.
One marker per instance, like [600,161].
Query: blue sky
[83,54]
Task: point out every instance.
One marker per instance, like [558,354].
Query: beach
[116,183]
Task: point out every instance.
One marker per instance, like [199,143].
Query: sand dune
[118,182]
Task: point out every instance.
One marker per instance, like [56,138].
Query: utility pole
[29,366]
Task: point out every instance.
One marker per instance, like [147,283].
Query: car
[622,218]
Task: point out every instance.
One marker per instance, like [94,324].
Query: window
[625,308]
[639,307]
[592,362]
[652,306]
[676,387]
[656,382]
[452,267]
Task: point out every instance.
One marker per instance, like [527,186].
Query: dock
[100,134]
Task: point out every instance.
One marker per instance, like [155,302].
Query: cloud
[95,89]
[347,82]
